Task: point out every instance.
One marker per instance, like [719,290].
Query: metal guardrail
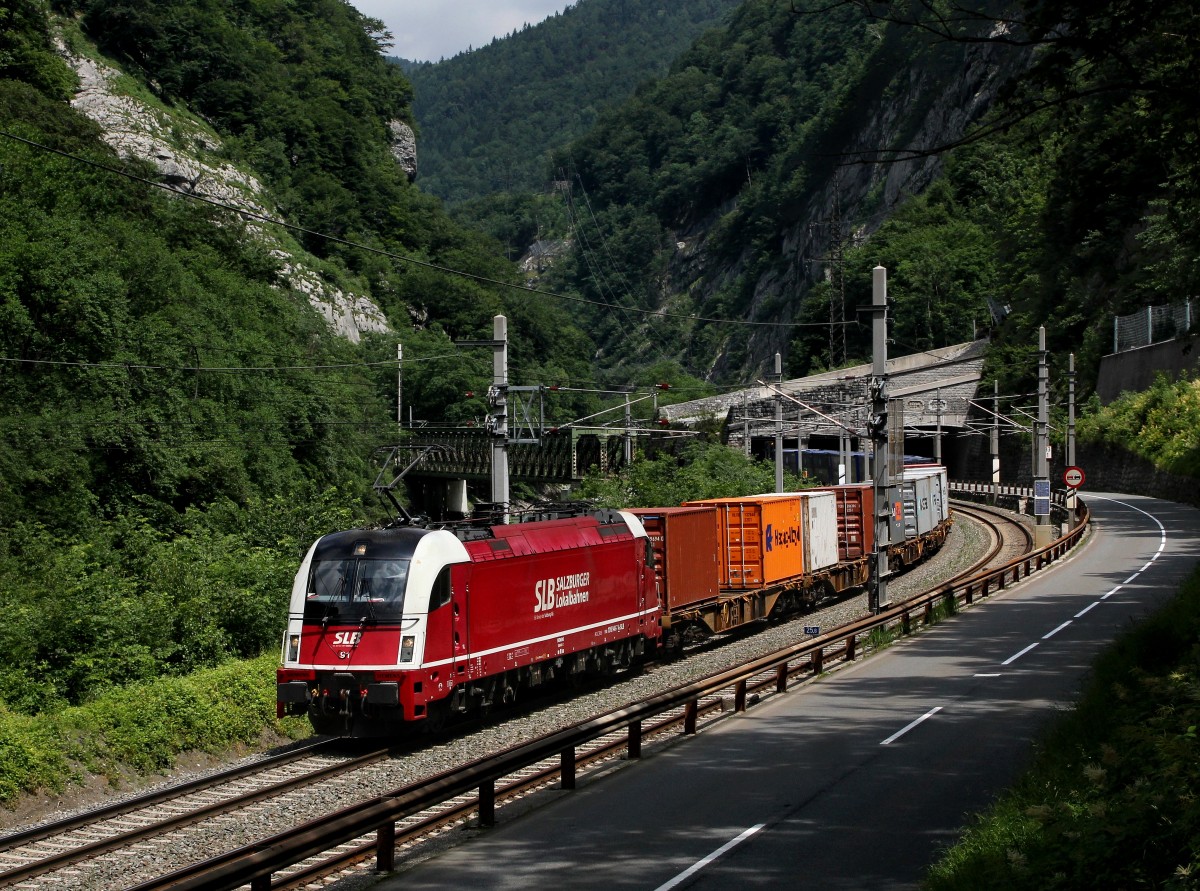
[255,864]
[1057,496]
[1021,497]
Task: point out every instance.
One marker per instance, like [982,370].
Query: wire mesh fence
[1154,324]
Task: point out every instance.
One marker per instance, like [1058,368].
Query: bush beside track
[1112,797]
[142,728]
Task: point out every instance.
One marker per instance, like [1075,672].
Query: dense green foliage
[1111,800]
[151,507]
[1161,424]
[143,727]
[731,147]
[1077,199]
[298,89]
[115,302]
[940,252]
[699,470]
[1109,223]
[490,116]
[25,52]
[176,423]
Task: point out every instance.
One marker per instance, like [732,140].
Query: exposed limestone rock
[347,314]
[404,147]
[542,255]
[176,146]
[920,109]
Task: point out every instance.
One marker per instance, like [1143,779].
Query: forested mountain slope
[489,117]
[176,420]
[718,190]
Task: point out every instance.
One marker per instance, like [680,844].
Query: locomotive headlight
[407,645]
[293,649]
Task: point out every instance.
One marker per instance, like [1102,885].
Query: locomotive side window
[440,595]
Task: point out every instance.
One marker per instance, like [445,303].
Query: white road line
[1051,634]
[994,675]
[700,864]
[903,730]
[1016,656]
[1162,546]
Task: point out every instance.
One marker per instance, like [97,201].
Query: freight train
[396,627]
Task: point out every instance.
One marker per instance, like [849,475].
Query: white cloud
[428,30]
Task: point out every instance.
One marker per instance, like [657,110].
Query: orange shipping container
[685,553]
[762,541]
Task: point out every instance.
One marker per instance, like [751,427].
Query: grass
[943,609]
[880,638]
[1113,797]
[141,729]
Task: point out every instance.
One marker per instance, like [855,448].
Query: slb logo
[544,592]
[347,638]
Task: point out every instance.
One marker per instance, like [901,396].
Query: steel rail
[158,796]
[86,851]
[255,863]
[463,810]
[980,514]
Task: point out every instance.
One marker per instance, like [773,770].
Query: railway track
[1011,537]
[43,856]
[49,855]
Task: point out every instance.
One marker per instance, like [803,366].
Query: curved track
[43,855]
[1010,537]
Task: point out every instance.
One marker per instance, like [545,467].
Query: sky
[428,30]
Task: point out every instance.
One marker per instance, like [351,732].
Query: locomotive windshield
[356,588]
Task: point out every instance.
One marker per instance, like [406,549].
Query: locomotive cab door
[649,594]
[459,623]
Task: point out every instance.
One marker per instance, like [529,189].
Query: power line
[425,264]
[133,366]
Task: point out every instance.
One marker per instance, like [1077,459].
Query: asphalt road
[855,781]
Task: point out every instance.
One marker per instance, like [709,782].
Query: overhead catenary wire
[654,335]
[425,264]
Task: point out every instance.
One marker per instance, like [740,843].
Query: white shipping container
[925,493]
[820,530]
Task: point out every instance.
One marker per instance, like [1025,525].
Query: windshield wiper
[332,604]
[365,591]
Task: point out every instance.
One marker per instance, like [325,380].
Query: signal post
[877,424]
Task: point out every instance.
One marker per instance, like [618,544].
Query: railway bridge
[927,391]
[446,460]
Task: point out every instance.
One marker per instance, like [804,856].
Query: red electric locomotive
[393,626]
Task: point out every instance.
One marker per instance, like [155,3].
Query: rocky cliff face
[183,151]
[404,147]
[919,108]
